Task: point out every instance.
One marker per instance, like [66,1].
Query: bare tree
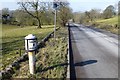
[32,8]
[64,13]
[94,14]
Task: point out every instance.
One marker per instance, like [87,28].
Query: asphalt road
[94,54]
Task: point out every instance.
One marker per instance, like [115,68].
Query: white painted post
[31,46]
[31,62]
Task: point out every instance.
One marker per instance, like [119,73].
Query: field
[13,40]
[108,24]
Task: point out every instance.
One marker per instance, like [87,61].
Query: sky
[76,5]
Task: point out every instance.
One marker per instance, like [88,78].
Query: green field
[110,24]
[13,40]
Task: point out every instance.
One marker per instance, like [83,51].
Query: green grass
[49,59]
[13,39]
[110,21]
[110,24]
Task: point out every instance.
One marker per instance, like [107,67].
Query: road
[94,54]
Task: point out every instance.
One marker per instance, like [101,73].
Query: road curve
[95,55]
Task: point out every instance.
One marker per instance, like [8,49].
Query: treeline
[21,18]
[37,13]
[108,19]
[94,14]
[17,17]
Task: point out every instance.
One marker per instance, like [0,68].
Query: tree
[64,13]
[83,17]
[5,11]
[29,7]
[87,14]
[109,12]
[47,16]
[5,15]
[76,16]
[22,18]
[119,8]
[0,14]
[94,14]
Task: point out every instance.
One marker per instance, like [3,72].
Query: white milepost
[31,47]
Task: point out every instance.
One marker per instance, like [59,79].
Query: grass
[111,21]
[13,40]
[51,59]
[110,24]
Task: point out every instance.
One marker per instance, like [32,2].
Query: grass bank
[108,24]
[51,59]
[13,40]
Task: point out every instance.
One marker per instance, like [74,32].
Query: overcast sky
[76,5]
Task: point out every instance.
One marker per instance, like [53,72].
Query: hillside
[110,24]
[111,21]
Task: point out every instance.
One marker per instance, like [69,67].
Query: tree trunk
[39,23]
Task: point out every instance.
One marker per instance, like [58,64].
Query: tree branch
[28,11]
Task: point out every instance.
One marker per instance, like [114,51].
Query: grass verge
[51,59]
[108,24]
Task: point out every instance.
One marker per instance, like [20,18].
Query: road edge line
[68,58]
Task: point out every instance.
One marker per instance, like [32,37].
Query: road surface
[94,54]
